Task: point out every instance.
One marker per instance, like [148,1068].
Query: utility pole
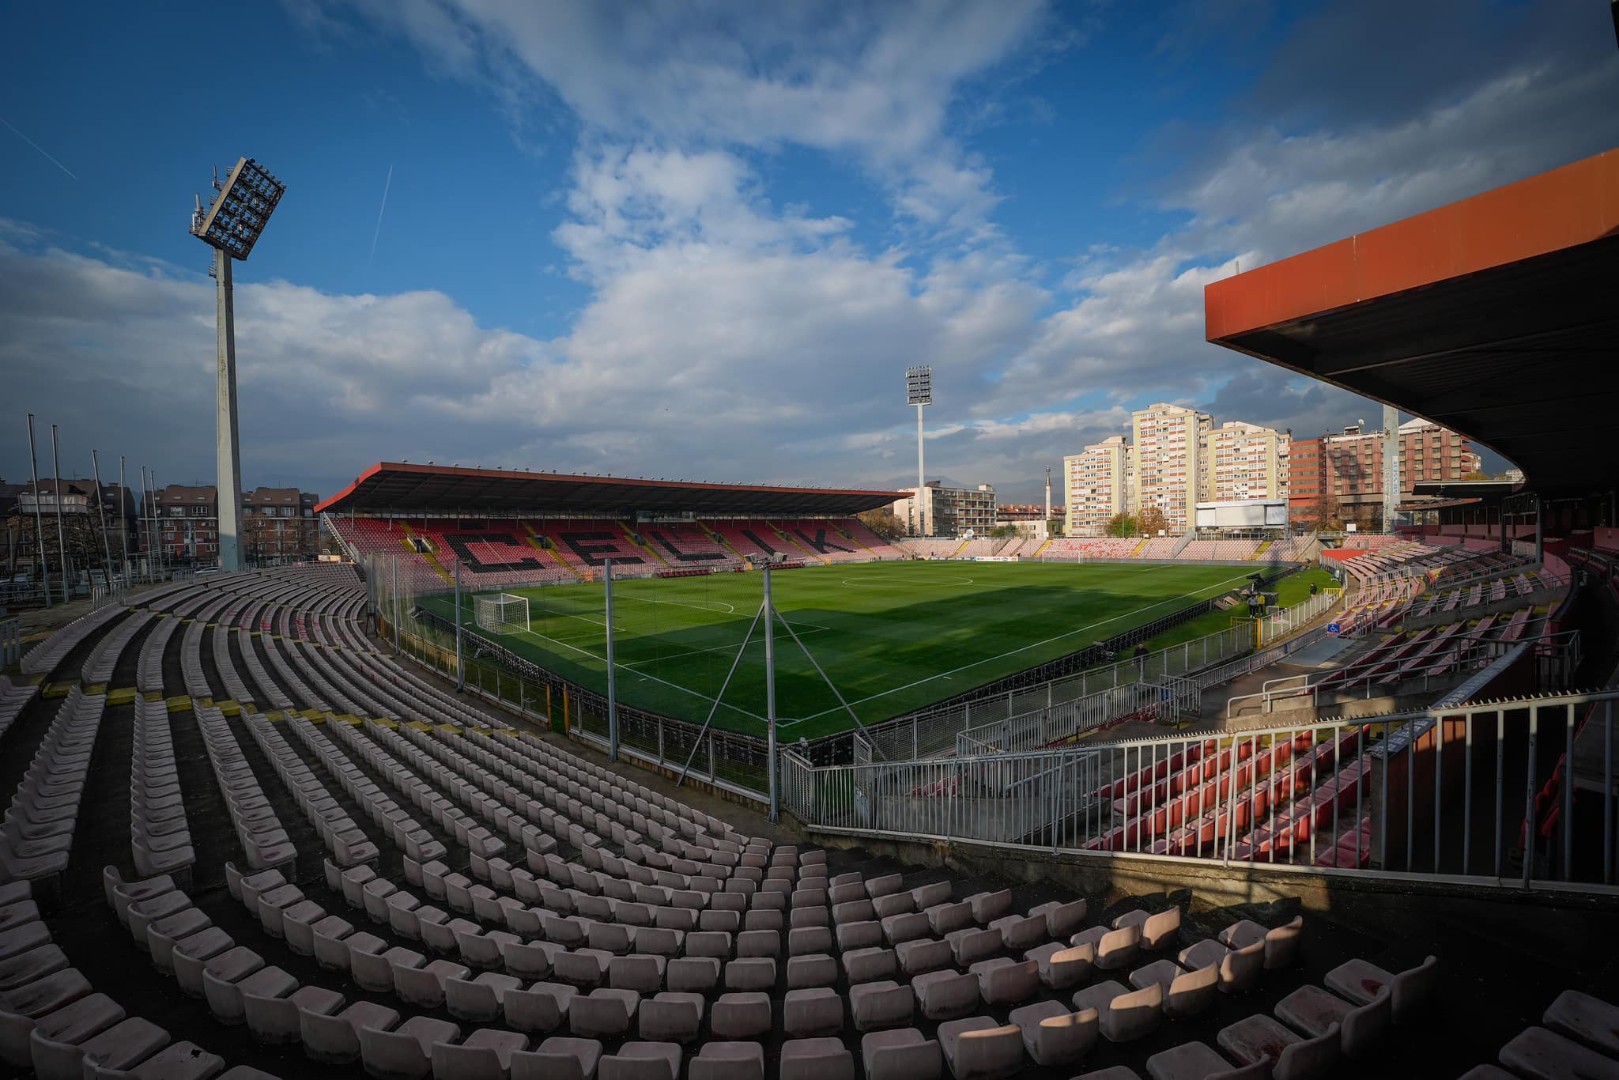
[770,696]
[101,509]
[123,521]
[61,537]
[39,516]
[612,685]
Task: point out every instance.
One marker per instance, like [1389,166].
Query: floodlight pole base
[227,447]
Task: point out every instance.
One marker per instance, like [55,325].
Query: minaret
[1048,493]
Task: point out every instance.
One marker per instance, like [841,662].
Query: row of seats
[258,829]
[52,1021]
[14,698]
[1578,1036]
[39,825]
[159,837]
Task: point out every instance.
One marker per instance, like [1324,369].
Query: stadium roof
[1495,316]
[397,488]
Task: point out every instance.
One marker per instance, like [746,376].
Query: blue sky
[703,240]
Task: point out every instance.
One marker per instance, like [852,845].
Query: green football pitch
[891,636]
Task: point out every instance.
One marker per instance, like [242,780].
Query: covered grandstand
[507,528]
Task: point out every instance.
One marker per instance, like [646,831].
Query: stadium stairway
[640,542]
[426,553]
[535,540]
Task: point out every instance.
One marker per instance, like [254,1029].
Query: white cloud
[731,334]
[873,80]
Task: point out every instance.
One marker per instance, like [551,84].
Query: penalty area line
[1010,652]
[642,675]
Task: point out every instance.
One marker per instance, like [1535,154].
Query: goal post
[501,613]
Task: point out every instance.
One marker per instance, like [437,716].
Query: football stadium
[563,777]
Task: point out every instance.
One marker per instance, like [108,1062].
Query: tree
[1327,511]
[1003,531]
[882,522]
[1477,474]
[1121,525]
[1152,521]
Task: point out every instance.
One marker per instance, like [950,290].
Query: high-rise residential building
[1096,486]
[1347,468]
[1306,478]
[948,511]
[1168,444]
[1245,461]
[1431,452]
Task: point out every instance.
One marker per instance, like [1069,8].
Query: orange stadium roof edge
[1494,315]
[400,488]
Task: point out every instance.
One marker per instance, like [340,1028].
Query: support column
[612,687]
[770,695]
[228,468]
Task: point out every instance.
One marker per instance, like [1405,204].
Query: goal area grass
[892,637]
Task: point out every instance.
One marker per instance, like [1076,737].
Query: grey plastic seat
[901,1054]
[404,1052]
[485,1055]
[728,1061]
[816,1059]
[642,1061]
[977,1048]
[1054,1034]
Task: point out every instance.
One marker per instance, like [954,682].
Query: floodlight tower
[919,392]
[231,225]
[1391,466]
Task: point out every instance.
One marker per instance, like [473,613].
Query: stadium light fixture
[919,392]
[232,224]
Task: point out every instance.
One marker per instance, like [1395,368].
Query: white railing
[1460,789]
[1209,660]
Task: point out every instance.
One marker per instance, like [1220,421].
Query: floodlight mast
[919,392]
[231,225]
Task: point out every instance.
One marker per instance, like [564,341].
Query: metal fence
[1556,655]
[10,643]
[1165,701]
[1037,799]
[932,732]
[1485,791]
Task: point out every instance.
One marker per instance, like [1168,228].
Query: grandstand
[425,520]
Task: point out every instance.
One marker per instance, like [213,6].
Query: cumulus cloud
[731,333]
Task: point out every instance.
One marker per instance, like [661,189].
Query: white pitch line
[1009,652]
[716,604]
[714,648]
[653,678]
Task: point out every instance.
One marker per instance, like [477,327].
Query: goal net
[502,613]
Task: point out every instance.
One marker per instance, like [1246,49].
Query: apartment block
[1245,461]
[1348,467]
[1096,486]
[1168,442]
[947,511]
[277,525]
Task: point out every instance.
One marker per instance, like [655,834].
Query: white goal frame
[501,613]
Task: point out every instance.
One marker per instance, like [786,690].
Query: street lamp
[919,392]
[231,225]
